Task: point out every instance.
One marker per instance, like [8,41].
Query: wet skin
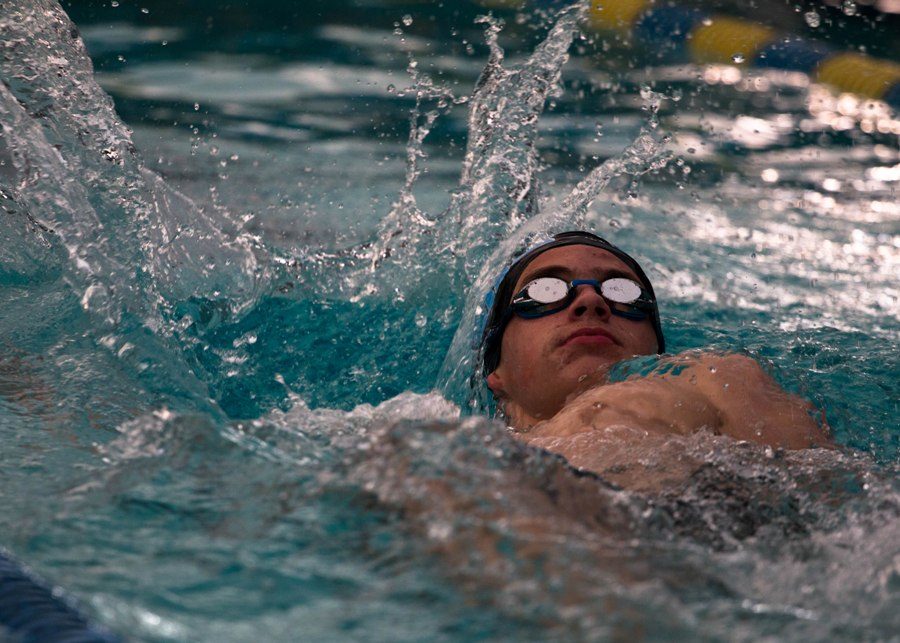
[551,383]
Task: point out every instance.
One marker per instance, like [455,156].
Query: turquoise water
[236,341]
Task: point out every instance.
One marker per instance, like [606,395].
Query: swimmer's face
[546,360]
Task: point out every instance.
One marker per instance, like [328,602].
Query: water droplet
[849,8]
[391,88]
[196,107]
[812,18]
[145,10]
[407,20]
[114,4]
[111,154]
[737,59]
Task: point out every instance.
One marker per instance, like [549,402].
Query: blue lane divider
[31,613]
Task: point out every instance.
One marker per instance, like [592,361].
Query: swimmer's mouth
[590,336]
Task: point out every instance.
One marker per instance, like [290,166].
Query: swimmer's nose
[588,302]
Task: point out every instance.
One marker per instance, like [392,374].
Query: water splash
[499,187]
[405,219]
[499,190]
[746,528]
[135,245]
[646,153]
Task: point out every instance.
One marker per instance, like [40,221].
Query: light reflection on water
[774,230]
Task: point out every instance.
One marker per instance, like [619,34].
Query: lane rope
[688,35]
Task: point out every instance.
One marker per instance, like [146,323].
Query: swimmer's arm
[750,404]
[724,394]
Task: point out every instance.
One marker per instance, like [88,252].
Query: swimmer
[569,309]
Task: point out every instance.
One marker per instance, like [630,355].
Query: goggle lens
[547,290]
[620,290]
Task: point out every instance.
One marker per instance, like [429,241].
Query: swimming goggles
[548,295]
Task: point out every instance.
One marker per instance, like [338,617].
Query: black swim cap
[497,300]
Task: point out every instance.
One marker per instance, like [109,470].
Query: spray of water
[498,202]
[135,246]
[405,219]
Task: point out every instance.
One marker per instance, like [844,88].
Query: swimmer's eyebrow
[548,271]
[566,273]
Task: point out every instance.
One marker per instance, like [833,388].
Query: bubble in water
[848,7]
[145,10]
[812,18]
[737,58]
[114,4]
[407,20]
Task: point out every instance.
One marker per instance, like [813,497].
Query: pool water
[238,300]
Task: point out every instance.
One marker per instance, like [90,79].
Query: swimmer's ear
[495,383]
